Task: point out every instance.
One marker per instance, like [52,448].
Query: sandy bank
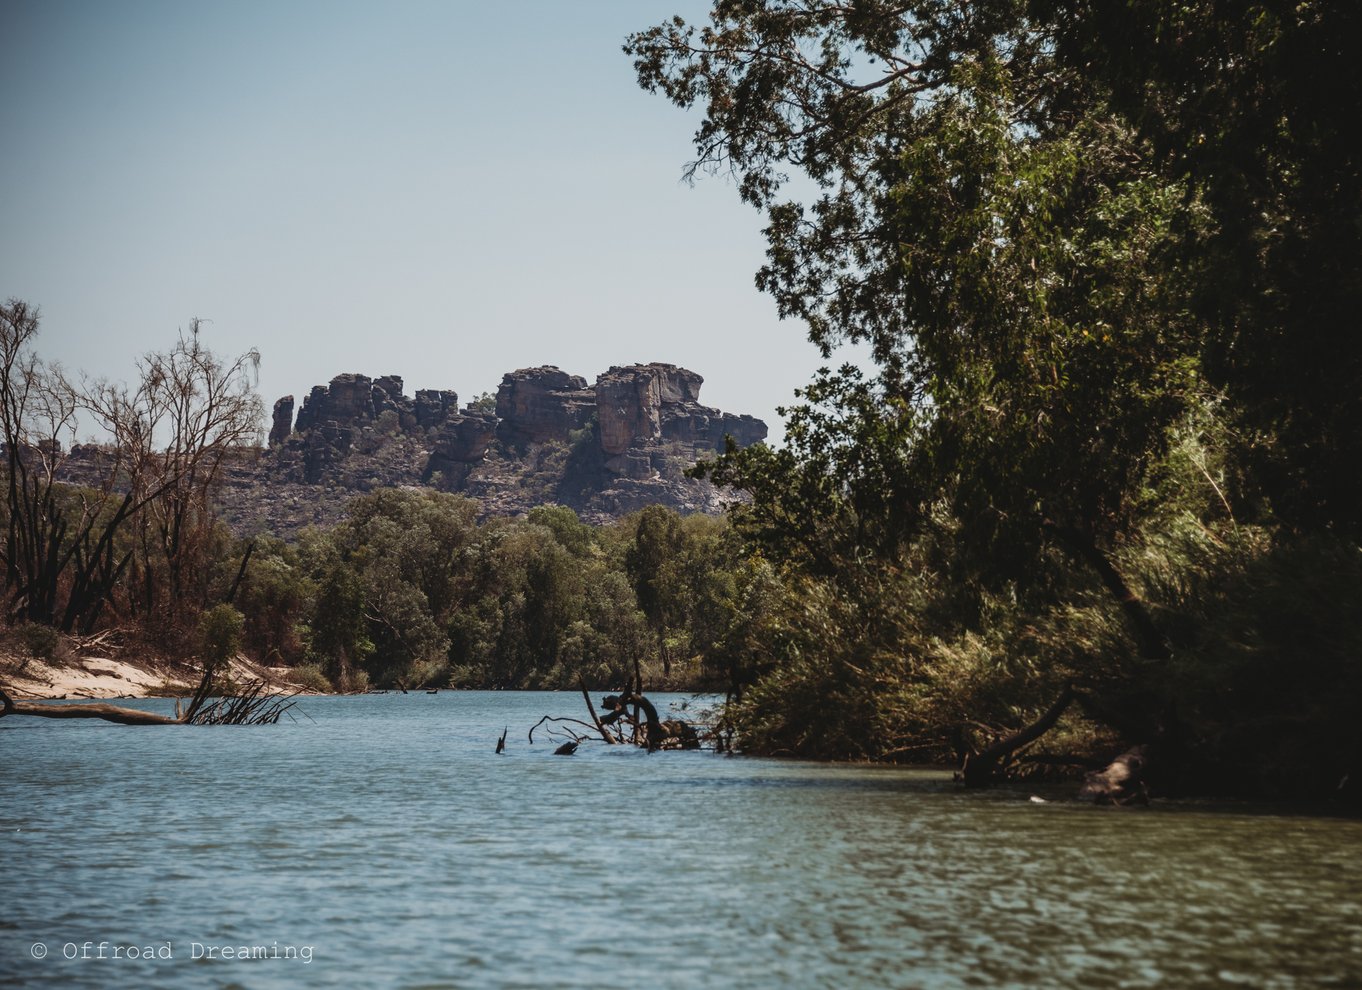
[107,677]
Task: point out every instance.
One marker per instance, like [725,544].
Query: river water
[379,842]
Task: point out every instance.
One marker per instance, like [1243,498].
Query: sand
[107,677]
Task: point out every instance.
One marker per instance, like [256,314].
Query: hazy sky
[441,190]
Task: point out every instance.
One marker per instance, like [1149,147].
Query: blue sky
[444,191]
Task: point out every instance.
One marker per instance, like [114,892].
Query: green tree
[339,641]
[1098,254]
[653,564]
[1250,104]
[220,630]
[274,595]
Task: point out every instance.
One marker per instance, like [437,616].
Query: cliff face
[604,449]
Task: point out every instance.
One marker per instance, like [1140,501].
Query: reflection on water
[385,838]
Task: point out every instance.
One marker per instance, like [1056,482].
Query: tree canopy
[1105,260]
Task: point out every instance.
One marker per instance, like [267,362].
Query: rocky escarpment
[646,405]
[604,449]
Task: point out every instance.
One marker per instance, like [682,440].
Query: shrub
[40,642]
[220,630]
[311,679]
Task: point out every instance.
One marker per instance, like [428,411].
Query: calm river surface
[383,844]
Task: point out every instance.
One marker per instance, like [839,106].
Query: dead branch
[554,718]
[979,769]
[609,739]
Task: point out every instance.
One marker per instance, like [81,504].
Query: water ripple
[391,844]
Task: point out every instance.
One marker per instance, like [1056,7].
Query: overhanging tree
[1078,240]
[988,227]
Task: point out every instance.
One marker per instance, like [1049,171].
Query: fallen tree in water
[251,706]
[631,720]
[656,733]
[981,768]
[1122,781]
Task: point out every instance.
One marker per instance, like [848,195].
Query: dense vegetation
[1106,260]
[410,590]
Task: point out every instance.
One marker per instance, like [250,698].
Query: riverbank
[106,677]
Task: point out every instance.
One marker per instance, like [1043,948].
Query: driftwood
[252,706]
[109,713]
[658,734]
[649,731]
[981,769]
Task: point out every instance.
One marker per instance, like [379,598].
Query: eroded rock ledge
[604,449]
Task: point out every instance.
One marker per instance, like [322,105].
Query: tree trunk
[109,713]
[980,768]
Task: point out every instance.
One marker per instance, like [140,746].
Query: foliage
[412,591]
[40,642]
[140,535]
[274,596]
[1102,257]
[484,402]
[339,638]
[220,631]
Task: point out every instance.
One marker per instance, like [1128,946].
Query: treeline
[1101,474]
[412,591]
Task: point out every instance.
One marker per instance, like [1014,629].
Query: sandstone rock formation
[649,402]
[538,404]
[603,449]
[282,423]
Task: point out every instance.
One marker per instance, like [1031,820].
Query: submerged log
[251,707]
[658,734]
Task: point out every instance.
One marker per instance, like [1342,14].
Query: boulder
[466,438]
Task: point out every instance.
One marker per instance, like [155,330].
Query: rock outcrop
[635,405]
[539,404]
[604,449]
[282,424]
[352,400]
[645,403]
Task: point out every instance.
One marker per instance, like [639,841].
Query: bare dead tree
[147,500]
[37,411]
[189,413]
